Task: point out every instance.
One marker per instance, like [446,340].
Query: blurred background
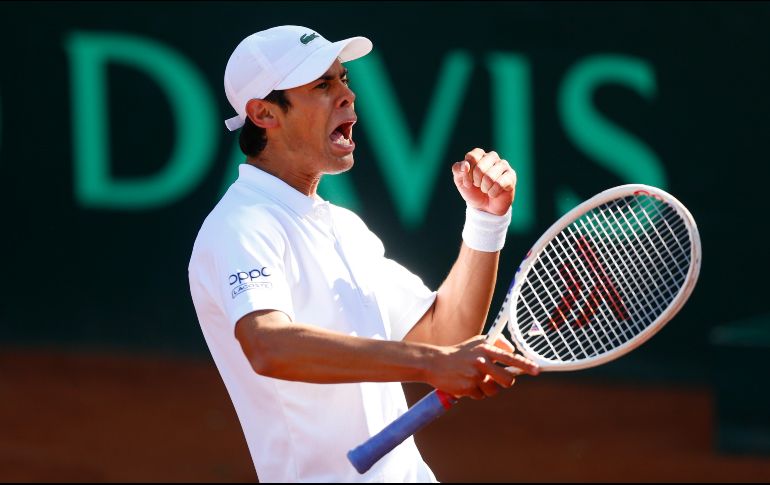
[113,150]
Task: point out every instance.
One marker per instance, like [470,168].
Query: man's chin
[340,165]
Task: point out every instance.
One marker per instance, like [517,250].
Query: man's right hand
[470,368]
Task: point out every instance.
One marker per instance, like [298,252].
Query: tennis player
[311,327]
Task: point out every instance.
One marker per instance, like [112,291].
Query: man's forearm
[462,303]
[297,352]
[276,347]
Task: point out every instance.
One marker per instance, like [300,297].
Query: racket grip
[426,410]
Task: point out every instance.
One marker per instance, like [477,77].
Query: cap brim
[319,62]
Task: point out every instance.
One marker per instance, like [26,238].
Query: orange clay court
[93,417]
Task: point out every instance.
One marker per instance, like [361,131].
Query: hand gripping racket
[600,282]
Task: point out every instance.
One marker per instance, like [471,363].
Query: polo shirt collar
[277,189]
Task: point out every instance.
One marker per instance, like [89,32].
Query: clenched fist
[485,181]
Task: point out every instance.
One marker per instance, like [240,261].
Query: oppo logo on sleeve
[242,280]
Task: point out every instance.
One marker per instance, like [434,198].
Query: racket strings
[566,344]
[577,258]
[604,279]
[612,259]
[645,248]
[616,262]
[593,271]
[652,244]
[598,282]
[628,332]
[582,316]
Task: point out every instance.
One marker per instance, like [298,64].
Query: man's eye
[345,81]
[323,85]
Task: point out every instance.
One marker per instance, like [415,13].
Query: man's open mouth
[343,134]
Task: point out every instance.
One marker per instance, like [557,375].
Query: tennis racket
[601,281]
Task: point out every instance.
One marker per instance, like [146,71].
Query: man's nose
[348,97]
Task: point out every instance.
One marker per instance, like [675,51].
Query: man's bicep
[248,328]
[422,331]
[259,319]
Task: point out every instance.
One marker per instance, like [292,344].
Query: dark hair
[253,138]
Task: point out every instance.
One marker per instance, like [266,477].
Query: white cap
[282,58]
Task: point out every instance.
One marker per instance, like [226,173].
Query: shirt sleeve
[251,273]
[404,296]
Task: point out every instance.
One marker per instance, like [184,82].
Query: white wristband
[484,231]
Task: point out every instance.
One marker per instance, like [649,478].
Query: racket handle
[426,410]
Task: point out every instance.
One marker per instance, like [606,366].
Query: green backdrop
[113,147]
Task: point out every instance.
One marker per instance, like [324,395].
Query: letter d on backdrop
[194,117]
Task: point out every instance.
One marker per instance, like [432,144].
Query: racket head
[570,307]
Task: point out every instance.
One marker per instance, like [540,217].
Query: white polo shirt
[268,246]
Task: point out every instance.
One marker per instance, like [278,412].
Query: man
[310,326]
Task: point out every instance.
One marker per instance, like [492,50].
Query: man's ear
[260,112]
